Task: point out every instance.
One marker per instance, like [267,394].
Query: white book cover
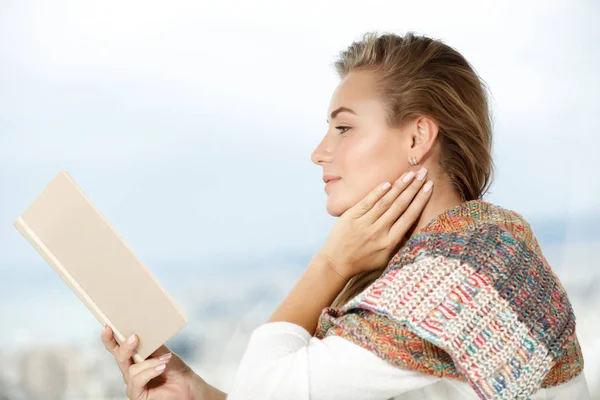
[77,241]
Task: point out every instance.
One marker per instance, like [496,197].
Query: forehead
[356,91]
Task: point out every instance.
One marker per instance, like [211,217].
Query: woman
[422,290]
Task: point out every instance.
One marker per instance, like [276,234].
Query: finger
[125,352]
[369,200]
[391,212]
[138,382]
[162,350]
[412,213]
[135,369]
[108,340]
[111,344]
[386,201]
[401,204]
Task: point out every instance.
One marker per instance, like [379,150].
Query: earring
[413,161]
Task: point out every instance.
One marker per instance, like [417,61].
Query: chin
[335,208]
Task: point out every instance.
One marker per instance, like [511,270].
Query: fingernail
[165,357]
[131,339]
[408,176]
[161,367]
[427,187]
[385,186]
[422,173]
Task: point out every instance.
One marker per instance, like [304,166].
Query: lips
[329,178]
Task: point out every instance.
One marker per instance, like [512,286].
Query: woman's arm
[283,361]
[317,288]
[201,390]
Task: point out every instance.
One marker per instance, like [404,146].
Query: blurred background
[190,126]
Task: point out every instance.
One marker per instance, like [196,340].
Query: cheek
[368,165]
[363,166]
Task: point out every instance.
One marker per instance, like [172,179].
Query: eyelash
[342,127]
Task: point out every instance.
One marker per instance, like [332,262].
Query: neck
[444,196]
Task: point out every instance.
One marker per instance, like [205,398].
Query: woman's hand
[365,237]
[154,379]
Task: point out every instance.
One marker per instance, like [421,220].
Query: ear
[423,136]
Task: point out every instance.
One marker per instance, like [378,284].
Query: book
[83,248]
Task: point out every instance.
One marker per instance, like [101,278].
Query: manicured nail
[422,173]
[427,187]
[131,339]
[161,367]
[165,357]
[408,176]
[386,186]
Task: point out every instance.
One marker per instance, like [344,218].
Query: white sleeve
[283,361]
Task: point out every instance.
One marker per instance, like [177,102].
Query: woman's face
[363,151]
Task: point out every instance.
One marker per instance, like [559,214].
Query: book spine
[47,255]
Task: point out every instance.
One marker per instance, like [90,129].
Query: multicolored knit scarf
[470,297]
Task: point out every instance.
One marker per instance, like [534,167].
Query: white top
[283,361]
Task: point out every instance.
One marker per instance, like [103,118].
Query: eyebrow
[339,110]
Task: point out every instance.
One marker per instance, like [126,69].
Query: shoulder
[510,221]
[473,230]
[474,214]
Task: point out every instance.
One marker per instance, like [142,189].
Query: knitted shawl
[469,297]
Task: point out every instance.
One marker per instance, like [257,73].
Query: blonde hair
[416,76]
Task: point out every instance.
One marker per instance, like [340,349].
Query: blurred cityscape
[51,343]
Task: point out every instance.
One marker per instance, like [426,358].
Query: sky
[190,124]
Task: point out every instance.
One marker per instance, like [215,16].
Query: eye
[342,127]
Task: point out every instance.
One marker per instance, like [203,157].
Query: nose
[322,153]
